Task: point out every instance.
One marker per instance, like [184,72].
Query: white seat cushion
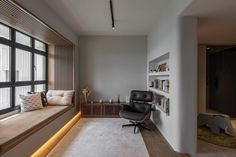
[60,97]
[31,102]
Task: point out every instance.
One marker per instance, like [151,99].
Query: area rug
[221,139]
[100,137]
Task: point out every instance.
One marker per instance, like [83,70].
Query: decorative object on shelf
[118,99]
[110,101]
[162,67]
[127,99]
[151,84]
[100,101]
[86,92]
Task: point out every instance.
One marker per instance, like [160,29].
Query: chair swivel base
[138,125]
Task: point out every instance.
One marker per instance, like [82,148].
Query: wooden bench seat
[16,128]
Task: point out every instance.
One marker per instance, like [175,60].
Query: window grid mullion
[32,65]
[12,84]
[46,71]
[13,67]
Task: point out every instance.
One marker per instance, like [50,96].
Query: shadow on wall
[156,117]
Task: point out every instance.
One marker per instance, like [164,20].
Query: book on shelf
[162,85]
[162,102]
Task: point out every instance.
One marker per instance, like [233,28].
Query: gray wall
[178,36]
[112,65]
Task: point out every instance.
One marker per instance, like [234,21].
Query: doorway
[221,79]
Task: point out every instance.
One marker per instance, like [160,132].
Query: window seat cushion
[16,128]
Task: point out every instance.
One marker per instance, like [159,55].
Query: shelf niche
[159,83]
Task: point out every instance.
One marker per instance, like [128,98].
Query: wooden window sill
[17,128]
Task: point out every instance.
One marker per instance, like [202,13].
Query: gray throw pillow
[31,102]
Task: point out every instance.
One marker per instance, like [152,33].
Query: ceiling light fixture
[112,15]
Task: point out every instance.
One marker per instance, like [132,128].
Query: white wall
[40,9]
[112,65]
[178,36]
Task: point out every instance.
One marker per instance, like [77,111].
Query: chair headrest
[145,96]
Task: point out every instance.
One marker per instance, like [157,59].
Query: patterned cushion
[60,97]
[43,97]
[31,102]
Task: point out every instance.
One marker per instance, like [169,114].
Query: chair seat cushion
[132,115]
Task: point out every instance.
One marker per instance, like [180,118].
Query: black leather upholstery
[143,96]
[138,108]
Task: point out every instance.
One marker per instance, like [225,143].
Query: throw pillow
[43,97]
[60,97]
[31,102]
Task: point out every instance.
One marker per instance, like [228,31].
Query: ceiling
[92,17]
[217,20]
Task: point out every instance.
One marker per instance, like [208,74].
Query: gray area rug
[100,137]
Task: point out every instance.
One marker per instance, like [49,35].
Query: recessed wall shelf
[158,91]
[159,82]
[165,73]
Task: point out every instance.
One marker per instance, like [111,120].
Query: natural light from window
[23,67]
[40,67]
[23,39]
[4,98]
[4,63]
[4,32]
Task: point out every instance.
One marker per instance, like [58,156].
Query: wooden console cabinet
[110,110]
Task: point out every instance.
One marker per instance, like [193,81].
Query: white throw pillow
[31,102]
[60,97]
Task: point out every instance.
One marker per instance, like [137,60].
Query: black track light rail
[112,14]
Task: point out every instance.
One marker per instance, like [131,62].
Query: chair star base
[137,126]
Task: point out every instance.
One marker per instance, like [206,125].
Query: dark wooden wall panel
[64,67]
[222,81]
[13,14]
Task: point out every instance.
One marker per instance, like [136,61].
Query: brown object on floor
[220,139]
[156,144]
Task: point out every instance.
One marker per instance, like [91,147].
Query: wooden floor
[156,144]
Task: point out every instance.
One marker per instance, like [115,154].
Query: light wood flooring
[157,146]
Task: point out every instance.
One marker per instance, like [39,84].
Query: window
[21,90]
[39,46]
[40,88]
[23,67]
[23,39]
[39,67]
[4,32]
[4,63]
[5,98]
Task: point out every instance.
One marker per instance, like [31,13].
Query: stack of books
[162,102]
[162,85]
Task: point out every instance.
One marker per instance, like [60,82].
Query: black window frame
[12,84]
